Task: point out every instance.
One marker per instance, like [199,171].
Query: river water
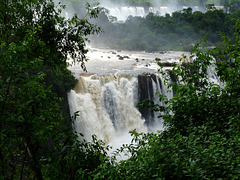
[107,61]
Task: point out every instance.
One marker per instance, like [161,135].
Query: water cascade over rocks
[107,104]
[106,96]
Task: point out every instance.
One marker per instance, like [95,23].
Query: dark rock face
[145,88]
[120,57]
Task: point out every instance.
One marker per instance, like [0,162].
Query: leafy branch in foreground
[35,140]
[202,121]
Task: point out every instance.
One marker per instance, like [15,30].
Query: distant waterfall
[107,104]
[123,12]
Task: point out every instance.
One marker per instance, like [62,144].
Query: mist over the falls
[122,10]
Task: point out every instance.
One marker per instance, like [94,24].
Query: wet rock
[121,58]
[167,64]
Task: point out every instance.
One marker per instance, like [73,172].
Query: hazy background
[157,25]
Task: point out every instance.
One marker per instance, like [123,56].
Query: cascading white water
[92,118]
[212,75]
[123,12]
[106,105]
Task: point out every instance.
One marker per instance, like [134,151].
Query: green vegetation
[202,120]
[179,31]
[36,137]
[201,140]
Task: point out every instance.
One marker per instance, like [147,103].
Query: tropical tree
[35,139]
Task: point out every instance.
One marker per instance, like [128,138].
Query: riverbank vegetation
[201,136]
[178,31]
[201,139]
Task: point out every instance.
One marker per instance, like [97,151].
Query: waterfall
[213,77]
[123,12]
[106,105]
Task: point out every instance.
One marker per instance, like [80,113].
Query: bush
[202,121]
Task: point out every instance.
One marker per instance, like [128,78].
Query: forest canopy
[202,120]
[36,136]
[179,30]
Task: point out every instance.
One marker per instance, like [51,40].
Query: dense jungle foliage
[201,140]
[178,31]
[157,32]
[36,137]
